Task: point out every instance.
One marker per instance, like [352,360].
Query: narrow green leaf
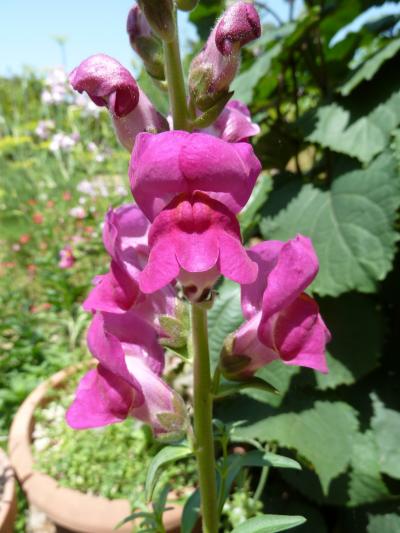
[191,512]
[269,524]
[229,388]
[133,516]
[166,455]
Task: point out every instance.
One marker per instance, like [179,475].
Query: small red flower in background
[37,218]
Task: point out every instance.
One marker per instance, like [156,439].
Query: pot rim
[67,507]
[8,497]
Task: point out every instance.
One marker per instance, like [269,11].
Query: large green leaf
[384,523]
[366,484]
[385,425]
[323,434]
[354,323]
[224,317]
[331,127]
[351,226]
[244,84]
[269,524]
[370,67]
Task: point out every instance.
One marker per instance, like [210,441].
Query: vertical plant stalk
[176,84]
[202,407]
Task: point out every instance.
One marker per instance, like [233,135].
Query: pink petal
[197,234]
[107,83]
[234,123]
[247,343]
[299,334]
[102,398]
[171,163]
[114,292]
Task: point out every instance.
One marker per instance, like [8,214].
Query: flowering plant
[169,249]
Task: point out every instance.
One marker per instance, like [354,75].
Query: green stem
[176,84]
[202,404]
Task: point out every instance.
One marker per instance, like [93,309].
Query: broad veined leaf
[164,456]
[249,216]
[323,434]
[354,350]
[244,84]
[351,226]
[366,484]
[331,127]
[384,523]
[385,426]
[269,524]
[370,67]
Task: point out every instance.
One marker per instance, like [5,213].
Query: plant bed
[75,510]
[8,503]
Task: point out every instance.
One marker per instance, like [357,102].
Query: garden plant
[248,316]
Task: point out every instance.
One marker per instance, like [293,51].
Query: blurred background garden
[323,84]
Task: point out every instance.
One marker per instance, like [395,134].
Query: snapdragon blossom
[282,321]
[125,235]
[191,186]
[127,379]
[110,84]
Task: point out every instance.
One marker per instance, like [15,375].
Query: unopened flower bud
[161,17]
[238,26]
[143,41]
[186,5]
[213,70]
[110,84]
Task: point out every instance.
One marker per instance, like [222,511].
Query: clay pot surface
[68,508]
[8,501]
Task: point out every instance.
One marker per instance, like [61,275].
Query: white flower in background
[86,187]
[57,89]
[120,190]
[95,150]
[44,127]
[63,142]
[78,212]
[96,187]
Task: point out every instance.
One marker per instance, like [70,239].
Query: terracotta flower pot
[71,509]
[8,501]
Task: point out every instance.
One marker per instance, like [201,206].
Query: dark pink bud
[160,15]
[239,25]
[143,41]
[213,70]
[107,83]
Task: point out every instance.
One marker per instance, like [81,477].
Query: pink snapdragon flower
[110,84]
[67,258]
[127,379]
[234,123]
[213,70]
[125,234]
[195,239]
[168,164]
[282,321]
